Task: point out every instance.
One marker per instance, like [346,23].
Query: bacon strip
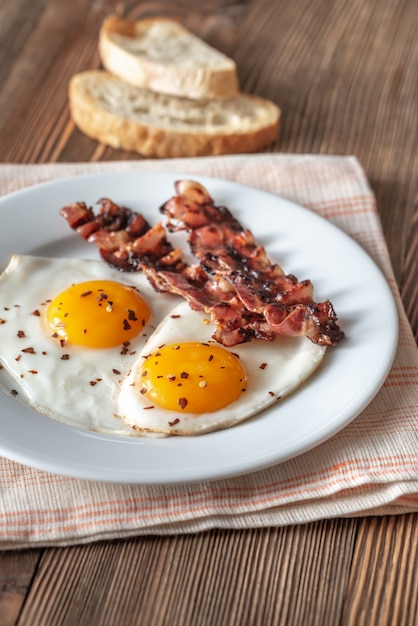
[124,238]
[247,296]
[225,248]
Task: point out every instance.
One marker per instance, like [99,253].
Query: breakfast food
[100,346]
[184,383]
[247,296]
[69,331]
[153,124]
[80,342]
[161,55]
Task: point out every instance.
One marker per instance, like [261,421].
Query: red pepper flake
[244,389]
[63,343]
[148,407]
[17,306]
[272,394]
[54,335]
[131,316]
[99,380]
[162,346]
[14,392]
[21,333]
[102,296]
[143,390]
[184,375]
[235,354]
[2,321]
[126,325]
[176,348]
[18,358]
[84,331]
[32,372]
[263,366]
[65,357]
[182,402]
[210,357]
[175,421]
[29,351]
[43,352]
[171,377]
[144,373]
[6,308]
[117,372]
[85,294]
[175,317]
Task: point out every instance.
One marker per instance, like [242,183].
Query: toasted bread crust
[113,120]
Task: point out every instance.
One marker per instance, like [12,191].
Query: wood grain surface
[345,76]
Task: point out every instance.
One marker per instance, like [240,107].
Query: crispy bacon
[225,248]
[247,296]
[123,237]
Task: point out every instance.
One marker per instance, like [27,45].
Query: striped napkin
[370,467]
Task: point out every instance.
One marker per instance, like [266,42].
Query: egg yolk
[192,377]
[97,314]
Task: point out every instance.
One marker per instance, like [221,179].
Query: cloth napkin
[370,467]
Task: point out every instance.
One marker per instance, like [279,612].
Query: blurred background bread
[154,124]
[159,54]
[166,93]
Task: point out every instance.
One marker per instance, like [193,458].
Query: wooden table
[345,76]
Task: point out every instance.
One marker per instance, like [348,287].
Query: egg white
[82,390]
[274,370]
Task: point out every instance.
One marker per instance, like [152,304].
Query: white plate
[304,244]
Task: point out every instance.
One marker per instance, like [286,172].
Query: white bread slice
[159,54]
[153,124]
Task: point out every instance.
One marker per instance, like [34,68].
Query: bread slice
[159,54]
[154,124]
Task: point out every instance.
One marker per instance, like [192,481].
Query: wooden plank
[383,584]
[283,576]
[17,570]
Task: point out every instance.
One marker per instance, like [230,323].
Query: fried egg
[69,331]
[184,383]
